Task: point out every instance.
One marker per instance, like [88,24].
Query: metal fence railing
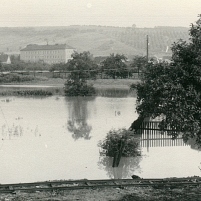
[152,136]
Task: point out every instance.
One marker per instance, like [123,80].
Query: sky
[122,13]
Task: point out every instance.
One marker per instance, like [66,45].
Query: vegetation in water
[173,90]
[14,78]
[119,143]
[78,88]
[26,92]
[76,84]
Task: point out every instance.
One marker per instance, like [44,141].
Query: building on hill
[51,54]
[5,59]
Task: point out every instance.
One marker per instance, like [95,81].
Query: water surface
[56,138]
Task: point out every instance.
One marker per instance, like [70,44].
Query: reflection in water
[78,114]
[193,144]
[127,166]
[79,129]
[155,138]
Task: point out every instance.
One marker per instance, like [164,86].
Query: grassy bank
[43,92]
[55,86]
[26,93]
[113,83]
[99,83]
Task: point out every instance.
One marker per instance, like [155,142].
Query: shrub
[73,88]
[26,93]
[112,143]
[13,78]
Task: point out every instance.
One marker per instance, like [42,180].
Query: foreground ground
[111,194]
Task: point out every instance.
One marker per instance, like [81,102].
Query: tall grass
[25,92]
[13,78]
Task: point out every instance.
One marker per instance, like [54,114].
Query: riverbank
[54,86]
[59,83]
[98,83]
[180,193]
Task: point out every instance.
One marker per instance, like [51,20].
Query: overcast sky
[143,13]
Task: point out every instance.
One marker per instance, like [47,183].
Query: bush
[26,93]
[13,78]
[73,88]
[111,144]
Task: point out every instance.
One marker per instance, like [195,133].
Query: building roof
[33,47]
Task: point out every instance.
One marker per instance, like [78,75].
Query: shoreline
[59,83]
[184,192]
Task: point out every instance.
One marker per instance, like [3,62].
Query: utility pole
[147,48]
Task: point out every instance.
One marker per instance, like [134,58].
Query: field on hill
[99,40]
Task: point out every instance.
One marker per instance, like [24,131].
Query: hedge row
[26,93]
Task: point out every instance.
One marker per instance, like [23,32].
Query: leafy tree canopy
[81,65]
[138,63]
[79,61]
[82,62]
[18,65]
[173,90]
[112,142]
[116,66]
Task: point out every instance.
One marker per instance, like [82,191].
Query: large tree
[174,90]
[82,67]
[138,63]
[115,66]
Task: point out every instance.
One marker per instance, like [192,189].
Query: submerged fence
[152,136]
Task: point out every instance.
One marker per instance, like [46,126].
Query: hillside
[99,40]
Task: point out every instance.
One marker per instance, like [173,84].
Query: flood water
[56,138]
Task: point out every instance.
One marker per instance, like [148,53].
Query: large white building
[51,54]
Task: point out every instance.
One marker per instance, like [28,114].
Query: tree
[134,26]
[115,66]
[82,67]
[138,63]
[84,64]
[173,90]
[119,143]
[18,65]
